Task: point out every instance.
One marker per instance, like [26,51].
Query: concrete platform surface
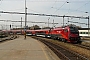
[29,49]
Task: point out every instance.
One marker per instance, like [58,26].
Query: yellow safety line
[44,52]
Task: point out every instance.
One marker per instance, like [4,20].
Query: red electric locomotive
[65,34]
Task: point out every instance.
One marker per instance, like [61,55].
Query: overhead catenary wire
[49,5]
[52,5]
[61,6]
[82,5]
[77,22]
[80,8]
[27,21]
[44,15]
[50,9]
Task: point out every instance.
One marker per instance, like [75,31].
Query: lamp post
[21,25]
[63,20]
[53,23]
[25,18]
[25,14]
[48,21]
[88,26]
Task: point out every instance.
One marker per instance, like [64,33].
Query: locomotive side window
[65,30]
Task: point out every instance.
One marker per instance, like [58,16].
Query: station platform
[25,49]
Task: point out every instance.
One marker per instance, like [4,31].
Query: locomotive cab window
[73,29]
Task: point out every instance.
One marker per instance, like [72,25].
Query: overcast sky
[53,7]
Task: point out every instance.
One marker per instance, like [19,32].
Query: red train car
[30,32]
[65,34]
[42,32]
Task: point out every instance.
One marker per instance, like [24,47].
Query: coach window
[80,32]
[83,33]
[86,32]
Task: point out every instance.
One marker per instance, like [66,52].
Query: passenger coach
[83,32]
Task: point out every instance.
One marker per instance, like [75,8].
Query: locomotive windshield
[73,29]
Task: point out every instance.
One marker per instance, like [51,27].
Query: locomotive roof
[42,30]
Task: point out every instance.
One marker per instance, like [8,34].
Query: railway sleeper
[66,55]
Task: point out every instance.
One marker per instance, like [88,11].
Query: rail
[61,52]
[7,38]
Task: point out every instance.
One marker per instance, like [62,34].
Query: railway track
[83,46]
[61,52]
[7,38]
